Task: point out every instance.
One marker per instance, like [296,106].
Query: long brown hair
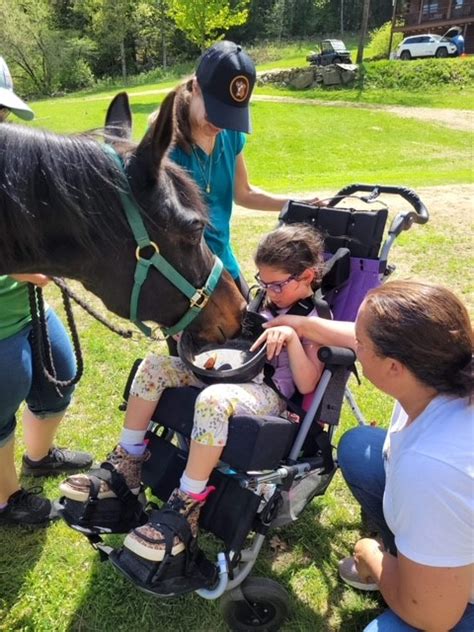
[426,328]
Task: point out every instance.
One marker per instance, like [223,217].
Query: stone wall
[311,76]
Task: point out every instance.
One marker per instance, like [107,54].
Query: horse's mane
[67,181]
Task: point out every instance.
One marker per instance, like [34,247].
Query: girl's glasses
[275,286]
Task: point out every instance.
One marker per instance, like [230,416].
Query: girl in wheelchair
[290,264]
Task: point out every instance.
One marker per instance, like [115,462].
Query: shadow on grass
[20,550]
[301,557]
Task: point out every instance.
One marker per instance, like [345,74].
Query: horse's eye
[193,234]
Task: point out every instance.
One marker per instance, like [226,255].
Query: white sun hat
[8,98]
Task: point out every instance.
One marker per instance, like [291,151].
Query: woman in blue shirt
[212,116]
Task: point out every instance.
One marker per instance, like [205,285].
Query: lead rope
[124,333]
[41,343]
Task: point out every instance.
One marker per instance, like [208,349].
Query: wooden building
[435,16]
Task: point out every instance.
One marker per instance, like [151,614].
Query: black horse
[61,215]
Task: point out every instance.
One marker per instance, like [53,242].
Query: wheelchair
[272,467]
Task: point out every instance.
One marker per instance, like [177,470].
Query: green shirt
[14,306]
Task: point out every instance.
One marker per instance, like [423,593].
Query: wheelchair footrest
[107,515]
[174,575]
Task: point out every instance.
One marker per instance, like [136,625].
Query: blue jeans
[360,458]
[20,381]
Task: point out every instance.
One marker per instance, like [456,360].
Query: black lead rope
[41,343]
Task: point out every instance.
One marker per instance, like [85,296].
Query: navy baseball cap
[8,98]
[226,76]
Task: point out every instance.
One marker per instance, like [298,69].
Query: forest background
[55,46]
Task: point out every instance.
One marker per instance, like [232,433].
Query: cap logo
[239,88]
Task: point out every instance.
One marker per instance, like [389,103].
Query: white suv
[425,46]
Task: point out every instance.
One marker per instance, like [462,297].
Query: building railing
[427,11]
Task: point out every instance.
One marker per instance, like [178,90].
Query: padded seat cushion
[253,443]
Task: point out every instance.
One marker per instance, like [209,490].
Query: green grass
[309,147]
[458,98]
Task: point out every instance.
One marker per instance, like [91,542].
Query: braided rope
[41,343]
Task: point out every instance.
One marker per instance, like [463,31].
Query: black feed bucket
[232,361]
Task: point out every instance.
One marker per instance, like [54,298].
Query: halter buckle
[140,248]
[199,299]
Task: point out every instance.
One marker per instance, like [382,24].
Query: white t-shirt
[429,492]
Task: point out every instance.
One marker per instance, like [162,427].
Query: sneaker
[56,461]
[148,541]
[27,507]
[78,487]
[348,573]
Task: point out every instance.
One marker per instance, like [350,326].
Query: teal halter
[198,298]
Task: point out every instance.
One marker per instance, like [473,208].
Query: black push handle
[421,215]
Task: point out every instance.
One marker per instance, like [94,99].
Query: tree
[40,55]
[110,25]
[204,21]
[363,31]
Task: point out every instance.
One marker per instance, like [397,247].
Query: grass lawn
[308,147]
[52,579]
[456,97]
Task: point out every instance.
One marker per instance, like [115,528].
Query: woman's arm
[426,597]
[322,331]
[38,279]
[251,197]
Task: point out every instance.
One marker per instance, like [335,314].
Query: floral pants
[214,405]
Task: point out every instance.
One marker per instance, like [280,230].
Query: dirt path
[456,119]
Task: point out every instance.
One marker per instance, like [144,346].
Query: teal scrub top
[215,176]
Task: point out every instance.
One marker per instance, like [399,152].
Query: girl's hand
[41,280]
[276,338]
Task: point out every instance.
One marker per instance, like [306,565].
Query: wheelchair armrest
[337,356]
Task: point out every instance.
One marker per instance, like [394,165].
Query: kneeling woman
[414,482]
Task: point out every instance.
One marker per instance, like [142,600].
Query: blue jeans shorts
[20,381]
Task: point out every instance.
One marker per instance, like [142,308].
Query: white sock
[191,486]
[133,441]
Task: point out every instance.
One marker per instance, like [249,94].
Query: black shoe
[57,460]
[27,507]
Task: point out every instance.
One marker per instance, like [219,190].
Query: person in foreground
[19,381]
[212,118]
[415,481]
[289,262]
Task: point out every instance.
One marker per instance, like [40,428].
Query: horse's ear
[156,142]
[118,120]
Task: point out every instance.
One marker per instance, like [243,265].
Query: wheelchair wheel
[258,605]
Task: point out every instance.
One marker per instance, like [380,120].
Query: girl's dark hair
[426,328]
[293,248]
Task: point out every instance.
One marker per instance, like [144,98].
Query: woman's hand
[312,201]
[41,280]
[368,555]
[294,322]
[276,338]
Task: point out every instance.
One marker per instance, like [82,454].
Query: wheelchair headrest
[359,231]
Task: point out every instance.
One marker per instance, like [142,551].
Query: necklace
[202,168]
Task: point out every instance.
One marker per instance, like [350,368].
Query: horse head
[61,213]
[175,219]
